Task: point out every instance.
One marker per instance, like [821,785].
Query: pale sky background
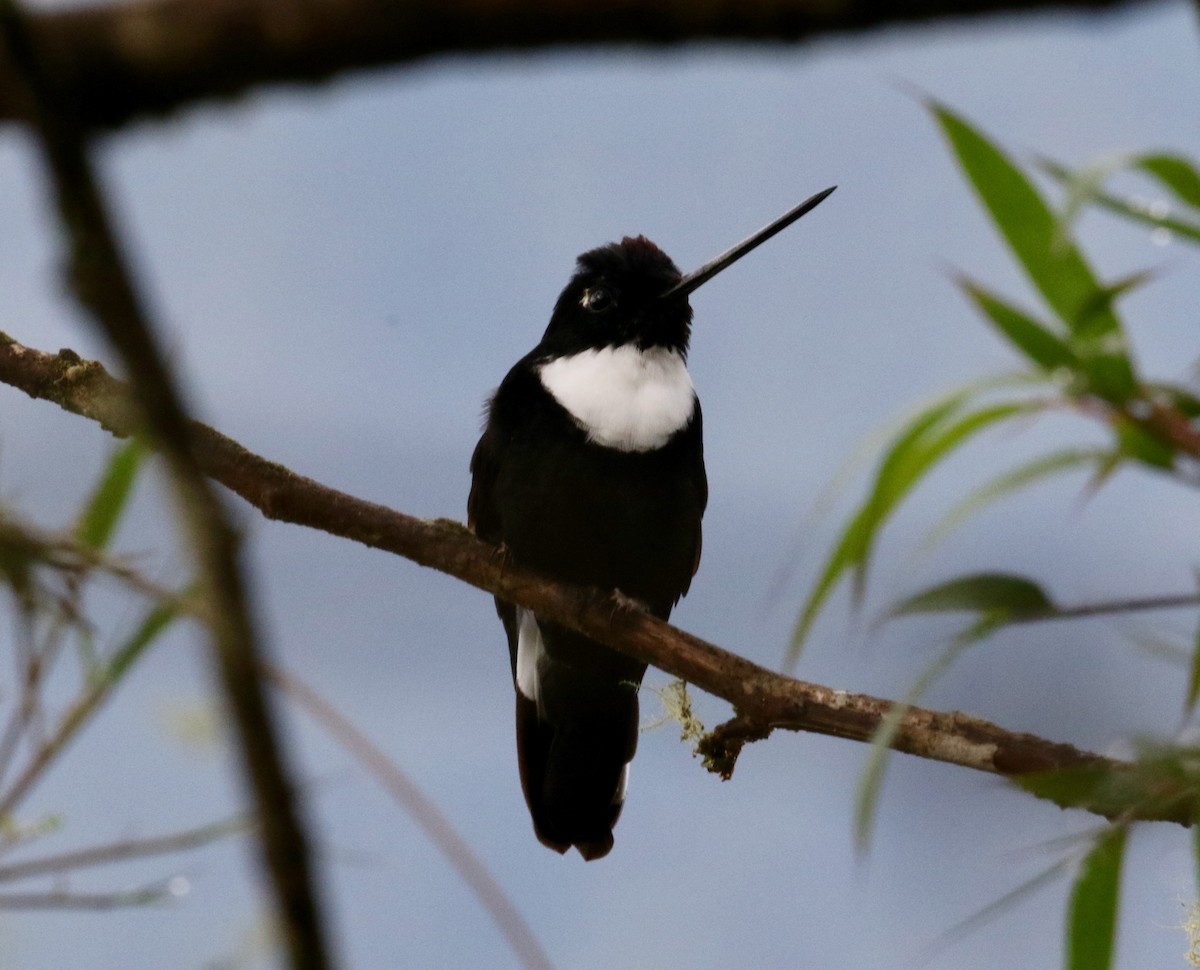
[344,273]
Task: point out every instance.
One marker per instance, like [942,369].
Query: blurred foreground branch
[95,270]
[763,699]
[116,62]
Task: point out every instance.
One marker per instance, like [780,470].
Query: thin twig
[78,713]
[1145,604]
[104,288]
[764,700]
[30,667]
[144,896]
[125,850]
[424,812]
[63,553]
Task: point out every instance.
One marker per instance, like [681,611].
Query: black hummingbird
[591,470]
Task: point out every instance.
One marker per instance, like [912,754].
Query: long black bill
[699,277]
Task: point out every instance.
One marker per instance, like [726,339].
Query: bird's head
[616,298]
[631,294]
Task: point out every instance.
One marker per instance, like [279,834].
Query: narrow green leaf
[917,460]
[1193,691]
[152,626]
[856,538]
[1076,785]
[870,782]
[1105,300]
[1139,444]
[1162,646]
[999,907]
[1082,186]
[100,516]
[1012,481]
[1138,212]
[1091,323]
[1058,270]
[1035,340]
[1180,398]
[1002,596]
[930,436]
[919,455]
[1196,850]
[1105,470]
[1176,173]
[1162,781]
[916,457]
[1092,913]
[895,469]
[1023,218]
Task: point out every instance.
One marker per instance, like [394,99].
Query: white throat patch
[623,397]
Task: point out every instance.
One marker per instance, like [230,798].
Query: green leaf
[1057,270]
[1023,218]
[925,440]
[1082,186]
[1138,212]
[1085,186]
[1193,690]
[1162,781]
[156,620]
[1092,913]
[870,782]
[897,478]
[1091,322]
[1141,445]
[100,516]
[1012,481]
[1196,849]
[1180,398]
[1176,173]
[855,541]
[1001,596]
[1000,906]
[1077,785]
[1035,340]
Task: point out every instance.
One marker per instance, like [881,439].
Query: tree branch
[762,699]
[120,61]
[96,271]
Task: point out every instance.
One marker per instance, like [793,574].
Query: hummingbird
[590,470]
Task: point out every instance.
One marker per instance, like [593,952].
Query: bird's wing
[694,443]
[482,517]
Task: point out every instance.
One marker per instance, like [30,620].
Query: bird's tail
[573,771]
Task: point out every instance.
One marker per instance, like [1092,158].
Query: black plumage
[596,515]
[591,470]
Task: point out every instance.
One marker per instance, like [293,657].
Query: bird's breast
[625,398]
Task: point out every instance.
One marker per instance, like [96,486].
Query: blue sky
[344,273]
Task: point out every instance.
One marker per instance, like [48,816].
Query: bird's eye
[597,299]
